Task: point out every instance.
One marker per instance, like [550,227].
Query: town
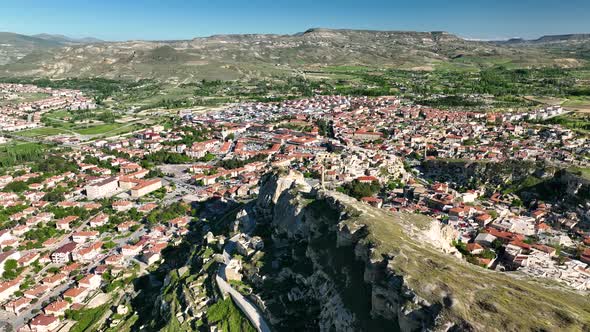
[79,226]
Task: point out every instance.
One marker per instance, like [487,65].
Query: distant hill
[580,37]
[67,40]
[562,38]
[14,46]
[255,55]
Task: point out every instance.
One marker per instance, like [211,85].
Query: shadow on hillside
[151,307]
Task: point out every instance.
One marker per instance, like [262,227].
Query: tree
[16,187]
[359,189]
[10,269]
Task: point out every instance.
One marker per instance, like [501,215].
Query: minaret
[323,183]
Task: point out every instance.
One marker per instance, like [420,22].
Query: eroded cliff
[333,263]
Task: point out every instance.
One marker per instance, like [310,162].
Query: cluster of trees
[39,235]
[359,189]
[6,212]
[237,163]
[16,187]
[11,269]
[581,122]
[59,212]
[88,159]
[165,213]
[165,157]
[101,88]
[173,103]
[193,135]
[208,88]
[11,155]
[55,195]
[325,128]
[54,164]
[105,116]
[450,101]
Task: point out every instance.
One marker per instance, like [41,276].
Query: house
[5,235]
[90,281]
[104,188]
[373,201]
[71,267]
[456,212]
[131,249]
[87,253]
[483,219]
[54,280]
[8,288]
[44,323]
[76,294]
[552,252]
[56,308]
[28,259]
[114,260]
[130,168]
[179,222]
[147,207]
[99,220]
[474,248]
[485,239]
[64,253]
[150,257]
[233,270]
[36,292]
[125,226]
[366,179]
[64,223]
[92,206]
[145,187]
[84,236]
[121,206]
[18,305]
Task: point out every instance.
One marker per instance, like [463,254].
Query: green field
[46,131]
[98,129]
[90,130]
[584,172]
[25,98]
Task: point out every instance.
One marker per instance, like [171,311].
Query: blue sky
[176,19]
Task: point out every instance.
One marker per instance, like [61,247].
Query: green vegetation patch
[86,318]
[228,317]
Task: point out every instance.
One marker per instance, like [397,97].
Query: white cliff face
[441,236]
[244,223]
[279,201]
[273,186]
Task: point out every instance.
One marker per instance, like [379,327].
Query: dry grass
[491,301]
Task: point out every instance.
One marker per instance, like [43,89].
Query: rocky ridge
[363,268]
[253,55]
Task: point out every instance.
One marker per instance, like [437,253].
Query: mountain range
[259,55]
[14,46]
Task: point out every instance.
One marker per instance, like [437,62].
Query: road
[250,310]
